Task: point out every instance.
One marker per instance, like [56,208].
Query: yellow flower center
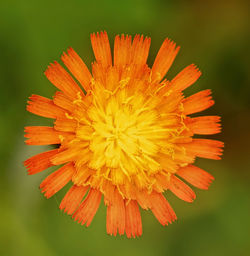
[123,134]
[130,137]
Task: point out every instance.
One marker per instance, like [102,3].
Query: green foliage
[213,35]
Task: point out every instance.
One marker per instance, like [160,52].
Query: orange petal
[59,77]
[101,48]
[82,175]
[77,67]
[161,183]
[205,148]
[185,78]
[57,180]
[65,156]
[197,102]
[42,135]
[140,50]
[166,162]
[162,209]
[108,191]
[99,72]
[133,219]
[88,208]
[70,154]
[112,78]
[128,189]
[204,124]
[73,198]
[170,103]
[182,156]
[137,75]
[65,125]
[181,190]
[40,162]
[164,60]
[115,219]
[63,101]
[143,199]
[196,176]
[122,51]
[44,107]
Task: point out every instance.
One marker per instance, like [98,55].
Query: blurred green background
[212,34]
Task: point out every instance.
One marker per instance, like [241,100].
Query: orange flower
[127,136]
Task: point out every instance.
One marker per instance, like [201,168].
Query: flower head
[127,136]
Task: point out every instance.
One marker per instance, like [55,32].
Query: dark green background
[213,35]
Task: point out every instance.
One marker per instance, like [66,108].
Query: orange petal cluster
[124,133]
